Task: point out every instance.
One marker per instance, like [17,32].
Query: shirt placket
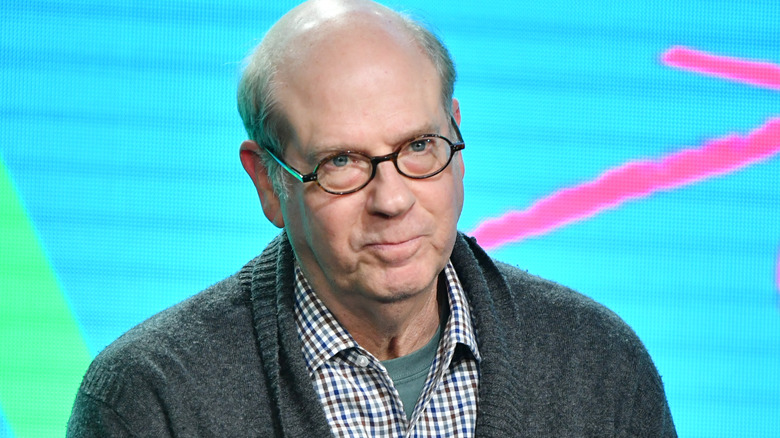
[436,375]
[390,413]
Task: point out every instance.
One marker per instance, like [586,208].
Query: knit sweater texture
[228,362]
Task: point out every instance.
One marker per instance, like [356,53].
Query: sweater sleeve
[650,413]
[116,404]
[93,418]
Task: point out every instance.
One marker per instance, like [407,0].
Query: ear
[250,159]
[456,110]
[456,116]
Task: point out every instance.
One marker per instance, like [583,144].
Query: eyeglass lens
[419,158]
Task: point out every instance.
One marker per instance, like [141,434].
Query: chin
[396,298]
[406,287]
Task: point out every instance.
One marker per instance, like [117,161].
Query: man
[369,315]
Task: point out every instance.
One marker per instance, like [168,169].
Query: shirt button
[362,361]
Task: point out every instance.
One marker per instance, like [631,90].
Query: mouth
[395,251]
[391,242]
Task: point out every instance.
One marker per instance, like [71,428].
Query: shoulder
[559,347]
[182,363]
[578,325]
[186,327]
[519,297]
[558,304]
[595,353]
[552,324]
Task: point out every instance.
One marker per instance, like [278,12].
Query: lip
[395,251]
[392,242]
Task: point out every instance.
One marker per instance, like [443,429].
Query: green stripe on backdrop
[42,352]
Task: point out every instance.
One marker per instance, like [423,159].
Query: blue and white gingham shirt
[356,391]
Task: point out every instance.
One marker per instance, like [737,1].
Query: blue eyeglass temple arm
[298,175]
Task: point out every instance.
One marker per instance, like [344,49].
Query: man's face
[388,241]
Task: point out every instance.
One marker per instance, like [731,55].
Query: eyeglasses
[347,172]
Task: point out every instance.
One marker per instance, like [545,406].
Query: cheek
[329,221]
[459,198]
[447,200]
[459,169]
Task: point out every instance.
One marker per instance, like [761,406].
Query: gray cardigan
[228,362]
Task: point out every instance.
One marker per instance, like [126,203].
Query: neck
[390,330]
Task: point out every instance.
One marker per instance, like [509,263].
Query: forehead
[351,77]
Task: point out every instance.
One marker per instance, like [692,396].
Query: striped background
[121,191]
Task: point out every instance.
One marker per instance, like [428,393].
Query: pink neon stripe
[630,181]
[762,74]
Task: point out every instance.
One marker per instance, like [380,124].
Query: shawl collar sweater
[228,362]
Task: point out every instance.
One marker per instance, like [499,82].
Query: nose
[389,193]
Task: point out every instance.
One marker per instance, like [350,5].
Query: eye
[339,160]
[420,145]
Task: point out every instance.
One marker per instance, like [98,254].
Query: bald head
[326,34]
[315,38]
[304,25]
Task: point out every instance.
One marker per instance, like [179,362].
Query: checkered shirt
[356,391]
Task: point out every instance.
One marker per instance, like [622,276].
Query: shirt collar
[459,329]
[323,337]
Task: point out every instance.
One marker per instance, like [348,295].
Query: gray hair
[258,105]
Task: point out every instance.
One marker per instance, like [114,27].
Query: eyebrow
[320,151]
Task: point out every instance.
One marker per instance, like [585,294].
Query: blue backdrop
[119,136]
